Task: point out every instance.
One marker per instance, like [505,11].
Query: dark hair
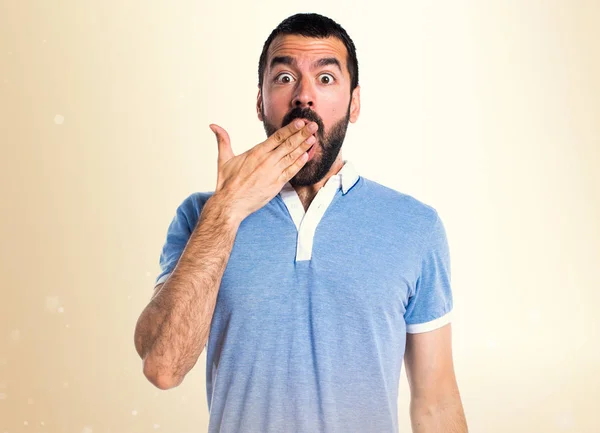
[315,26]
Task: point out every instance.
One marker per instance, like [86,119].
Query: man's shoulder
[197,199]
[385,197]
[201,196]
[190,207]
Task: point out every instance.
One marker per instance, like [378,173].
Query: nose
[304,94]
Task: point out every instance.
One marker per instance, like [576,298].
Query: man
[308,283]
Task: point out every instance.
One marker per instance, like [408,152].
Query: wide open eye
[284,78]
[328,79]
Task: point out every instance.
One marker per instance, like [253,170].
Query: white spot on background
[29,401]
[44,41]
[156,426]
[128,296]
[134,412]
[25,423]
[87,430]
[15,335]
[58,119]
[52,303]
[41,422]
[491,344]
[67,326]
[147,273]
[65,384]
[61,309]
[565,421]
[3,396]
[9,53]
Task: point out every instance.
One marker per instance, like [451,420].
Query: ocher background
[488,111]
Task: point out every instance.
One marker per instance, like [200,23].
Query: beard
[331,143]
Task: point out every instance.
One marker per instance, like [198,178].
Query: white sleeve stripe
[429,326]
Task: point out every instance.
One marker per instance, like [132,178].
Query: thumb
[224,144]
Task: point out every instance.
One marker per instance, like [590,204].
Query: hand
[249,181]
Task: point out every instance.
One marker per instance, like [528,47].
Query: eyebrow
[290,61]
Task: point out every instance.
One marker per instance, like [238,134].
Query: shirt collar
[345,179]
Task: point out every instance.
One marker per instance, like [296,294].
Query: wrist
[221,208]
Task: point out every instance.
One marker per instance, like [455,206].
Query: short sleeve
[430,306]
[178,233]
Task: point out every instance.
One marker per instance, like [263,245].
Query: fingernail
[299,123]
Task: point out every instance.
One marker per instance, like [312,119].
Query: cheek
[275,105]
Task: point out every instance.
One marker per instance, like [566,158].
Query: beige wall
[487,110]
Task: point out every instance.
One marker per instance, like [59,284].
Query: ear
[259,105]
[355,104]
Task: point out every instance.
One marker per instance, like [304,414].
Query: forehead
[302,47]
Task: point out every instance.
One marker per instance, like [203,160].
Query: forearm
[443,417]
[173,329]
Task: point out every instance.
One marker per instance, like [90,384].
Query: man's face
[307,78]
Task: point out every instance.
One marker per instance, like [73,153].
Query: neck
[308,193]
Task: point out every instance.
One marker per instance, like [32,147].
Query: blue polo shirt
[309,329]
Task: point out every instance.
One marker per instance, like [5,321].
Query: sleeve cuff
[429,326]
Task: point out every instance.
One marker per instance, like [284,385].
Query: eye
[326,78]
[284,78]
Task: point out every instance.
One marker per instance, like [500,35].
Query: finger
[294,141]
[293,169]
[281,135]
[224,144]
[287,159]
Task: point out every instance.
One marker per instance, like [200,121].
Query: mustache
[304,113]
